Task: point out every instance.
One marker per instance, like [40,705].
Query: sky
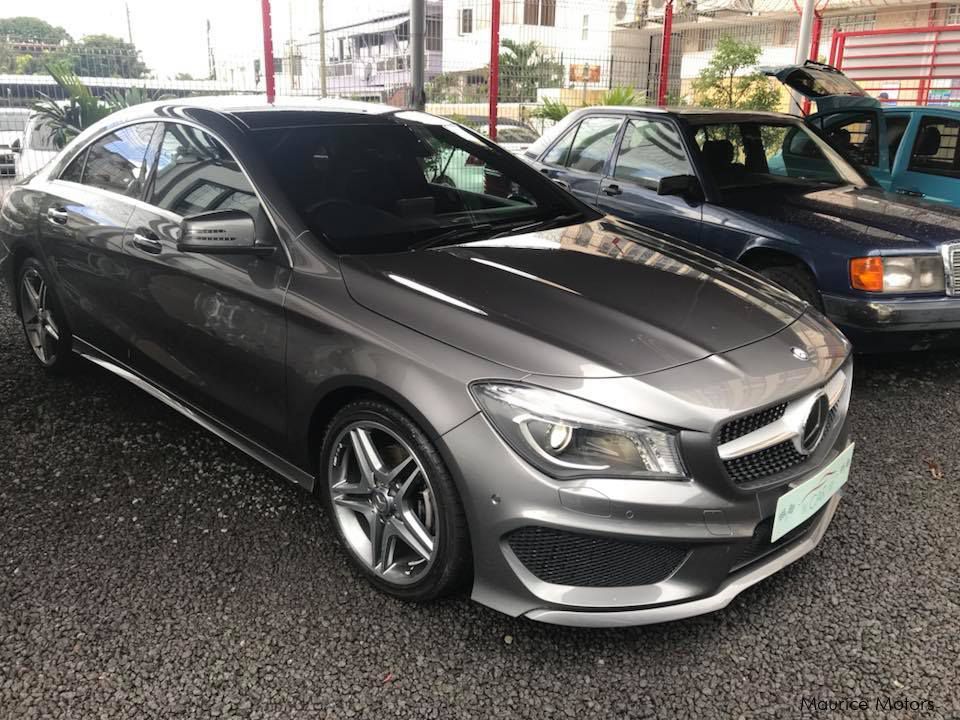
[171,34]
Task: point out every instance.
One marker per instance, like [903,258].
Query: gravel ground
[147,569]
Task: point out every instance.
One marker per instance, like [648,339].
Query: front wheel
[796,280]
[393,503]
[44,325]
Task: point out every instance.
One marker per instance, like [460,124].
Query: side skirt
[266,457]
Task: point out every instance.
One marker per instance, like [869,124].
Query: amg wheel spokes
[384,502]
[42,330]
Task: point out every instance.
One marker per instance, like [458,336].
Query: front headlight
[568,438]
[898,274]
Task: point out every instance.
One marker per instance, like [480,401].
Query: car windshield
[409,182]
[754,153]
[43,137]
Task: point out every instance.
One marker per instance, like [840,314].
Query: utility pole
[129,26]
[323,55]
[418,54]
[665,54]
[211,60]
[803,43]
[269,78]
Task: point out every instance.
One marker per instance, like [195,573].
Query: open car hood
[823,84]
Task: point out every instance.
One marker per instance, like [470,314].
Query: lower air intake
[566,558]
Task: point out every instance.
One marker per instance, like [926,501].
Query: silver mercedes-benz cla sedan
[489,384]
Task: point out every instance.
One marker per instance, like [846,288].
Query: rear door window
[117,161]
[935,148]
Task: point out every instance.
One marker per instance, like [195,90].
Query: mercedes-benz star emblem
[800,353]
[813,427]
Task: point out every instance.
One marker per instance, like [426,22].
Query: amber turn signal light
[867,273]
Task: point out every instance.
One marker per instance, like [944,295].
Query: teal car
[907,150]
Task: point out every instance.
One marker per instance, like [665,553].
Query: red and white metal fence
[903,66]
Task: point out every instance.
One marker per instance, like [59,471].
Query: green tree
[622,96]
[106,56]
[523,68]
[31,29]
[727,83]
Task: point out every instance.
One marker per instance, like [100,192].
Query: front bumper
[714,522]
[879,315]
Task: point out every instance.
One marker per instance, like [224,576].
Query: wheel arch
[758,257]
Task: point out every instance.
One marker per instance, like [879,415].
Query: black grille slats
[748,423]
[760,545]
[565,558]
[763,463]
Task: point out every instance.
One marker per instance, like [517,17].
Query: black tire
[451,564]
[55,355]
[797,280]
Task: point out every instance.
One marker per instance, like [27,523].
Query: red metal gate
[902,66]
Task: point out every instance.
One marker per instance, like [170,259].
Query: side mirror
[683,185]
[221,232]
[16,146]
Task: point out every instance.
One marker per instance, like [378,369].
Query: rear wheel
[797,280]
[44,325]
[392,502]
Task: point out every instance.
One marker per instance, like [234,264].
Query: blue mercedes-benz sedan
[768,191]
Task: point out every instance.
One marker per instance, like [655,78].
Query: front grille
[566,558]
[763,463]
[747,424]
[954,269]
[760,545]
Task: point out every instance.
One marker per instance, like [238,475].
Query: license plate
[803,501]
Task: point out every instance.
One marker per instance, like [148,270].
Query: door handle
[57,215]
[147,243]
[612,190]
[909,193]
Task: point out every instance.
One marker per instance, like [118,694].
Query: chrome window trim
[61,166]
[791,424]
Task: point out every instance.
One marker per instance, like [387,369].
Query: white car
[13,121]
[34,144]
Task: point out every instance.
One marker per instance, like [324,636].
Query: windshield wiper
[544,224]
[455,235]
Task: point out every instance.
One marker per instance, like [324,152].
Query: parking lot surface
[147,569]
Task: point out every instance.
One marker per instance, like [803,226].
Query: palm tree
[68,118]
[523,68]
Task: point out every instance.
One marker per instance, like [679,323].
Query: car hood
[600,299]
[867,217]
[829,88]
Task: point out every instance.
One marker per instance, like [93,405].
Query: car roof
[693,115]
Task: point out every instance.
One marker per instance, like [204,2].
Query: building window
[540,12]
[953,15]
[434,39]
[851,23]
[585,30]
[466,21]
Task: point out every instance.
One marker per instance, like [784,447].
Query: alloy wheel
[41,327]
[383,502]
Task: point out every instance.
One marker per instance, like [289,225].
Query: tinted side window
[196,174]
[593,143]
[558,153]
[853,135]
[116,161]
[935,149]
[74,170]
[650,151]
